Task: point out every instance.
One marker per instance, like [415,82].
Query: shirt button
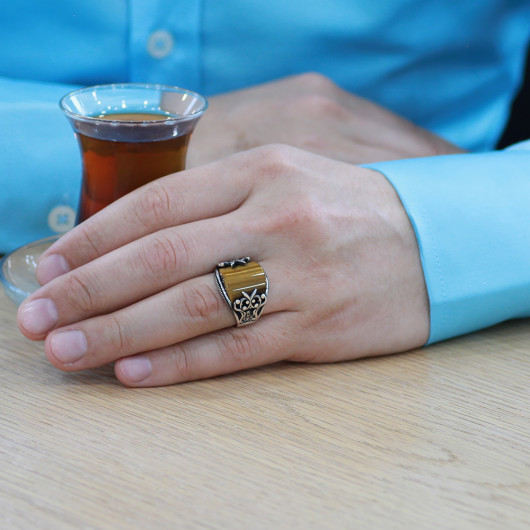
[160,44]
[61,219]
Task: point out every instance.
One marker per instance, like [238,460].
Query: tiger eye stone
[243,278]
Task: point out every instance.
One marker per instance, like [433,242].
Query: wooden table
[437,438]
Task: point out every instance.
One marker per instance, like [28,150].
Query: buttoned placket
[165,42]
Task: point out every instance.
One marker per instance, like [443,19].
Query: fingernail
[136,369]
[68,346]
[38,316]
[51,267]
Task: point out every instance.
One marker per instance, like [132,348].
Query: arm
[39,160]
[346,279]
[471,216]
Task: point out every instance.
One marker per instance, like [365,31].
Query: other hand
[310,112]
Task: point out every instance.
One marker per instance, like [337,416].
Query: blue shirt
[451,67]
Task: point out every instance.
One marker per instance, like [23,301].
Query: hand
[310,112]
[341,257]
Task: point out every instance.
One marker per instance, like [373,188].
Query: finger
[138,270]
[267,341]
[185,311]
[177,199]
[76,295]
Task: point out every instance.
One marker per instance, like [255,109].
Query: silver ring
[244,286]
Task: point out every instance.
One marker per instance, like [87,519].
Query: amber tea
[129,134]
[113,168]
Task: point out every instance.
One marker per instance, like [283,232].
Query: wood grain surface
[437,438]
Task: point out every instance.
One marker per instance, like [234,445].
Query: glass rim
[151,86]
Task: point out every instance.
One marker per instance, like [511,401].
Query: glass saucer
[18,269]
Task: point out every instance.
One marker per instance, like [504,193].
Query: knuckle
[90,244]
[201,303]
[165,256]
[317,81]
[274,160]
[81,294]
[118,335]
[181,361]
[236,347]
[154,205]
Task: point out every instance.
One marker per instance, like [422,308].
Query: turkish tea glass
[129,134]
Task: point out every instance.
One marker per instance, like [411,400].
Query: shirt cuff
[471,217]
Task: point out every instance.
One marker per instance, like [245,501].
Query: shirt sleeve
[471,216]
[40,168]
